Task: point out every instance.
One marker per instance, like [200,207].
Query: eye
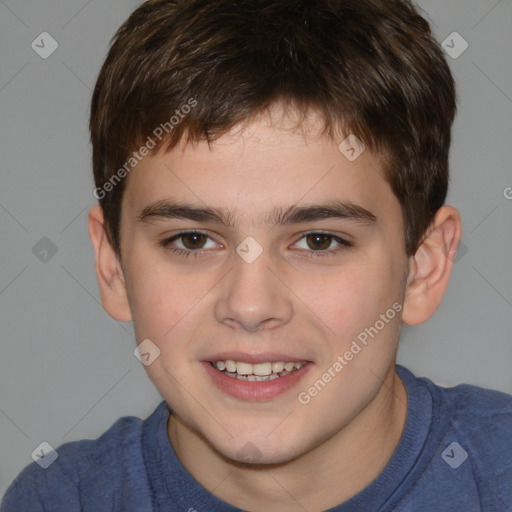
[320,243]
[188,242]
[192,240]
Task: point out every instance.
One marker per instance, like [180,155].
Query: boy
[271,178]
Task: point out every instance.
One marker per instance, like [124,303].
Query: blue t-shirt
[455,455]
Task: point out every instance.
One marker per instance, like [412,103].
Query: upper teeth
[261,369]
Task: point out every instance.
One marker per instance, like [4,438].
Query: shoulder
[476,426]
[468,409]
[479,412]
[85,475]
[481,421]
[481,417]
[79,457]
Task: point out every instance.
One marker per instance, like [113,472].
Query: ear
[108,269]
[431,266]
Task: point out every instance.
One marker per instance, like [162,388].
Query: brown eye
[189,243]
[193,240]
[316,244]
[318,241]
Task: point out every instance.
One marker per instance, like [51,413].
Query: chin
[257,450]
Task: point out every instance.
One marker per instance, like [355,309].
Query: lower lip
[255,391]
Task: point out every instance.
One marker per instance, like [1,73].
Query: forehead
[261,167]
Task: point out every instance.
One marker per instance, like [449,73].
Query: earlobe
[108,269]
[431,266]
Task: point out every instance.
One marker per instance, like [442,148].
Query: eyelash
[166,244]
[343,244]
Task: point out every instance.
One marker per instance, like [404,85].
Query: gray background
[68,369]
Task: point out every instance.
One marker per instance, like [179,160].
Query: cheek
[159,301]
[163,309]
[338,297]
[353,301]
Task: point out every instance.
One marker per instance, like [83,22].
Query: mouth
[257,372]
[256,381]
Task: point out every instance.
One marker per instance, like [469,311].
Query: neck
[322,478]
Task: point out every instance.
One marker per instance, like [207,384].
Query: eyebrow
[174,210]
[331,210]
[280,216]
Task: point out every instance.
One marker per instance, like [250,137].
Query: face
[272,257]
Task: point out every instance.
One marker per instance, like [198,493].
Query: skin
[290,300]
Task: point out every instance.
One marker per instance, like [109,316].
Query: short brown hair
[370,67]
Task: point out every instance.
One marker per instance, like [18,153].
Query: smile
[258,381]
[257,372]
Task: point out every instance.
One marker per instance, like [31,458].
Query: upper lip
[255,358]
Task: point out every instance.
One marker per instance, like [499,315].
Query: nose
[252,298]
